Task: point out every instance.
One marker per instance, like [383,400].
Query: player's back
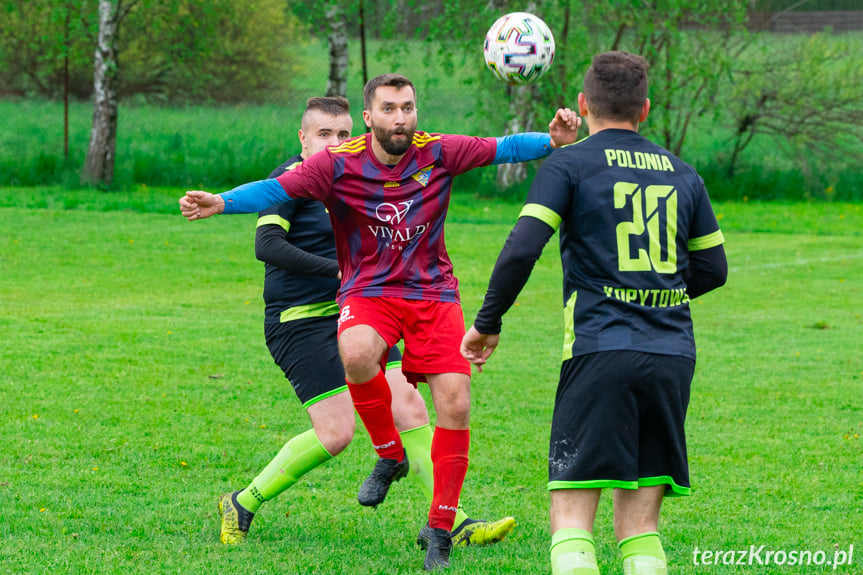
[624,238]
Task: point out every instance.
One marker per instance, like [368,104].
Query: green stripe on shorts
[593,484]
[323,396]
[672,489]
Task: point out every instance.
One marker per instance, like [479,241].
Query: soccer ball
[519,48]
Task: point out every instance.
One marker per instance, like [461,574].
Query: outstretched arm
[197,205]
[563,128]
[523,147]
[245,199]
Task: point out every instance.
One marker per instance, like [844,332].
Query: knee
[361,362]
[336,435]
[410,412]
[354,358]
[459,402]
[454,411]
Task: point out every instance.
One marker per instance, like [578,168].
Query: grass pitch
[136,387]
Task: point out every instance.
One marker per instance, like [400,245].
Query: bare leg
[334,422]
[572,547]
[636,511]
[636,521]
[574,508]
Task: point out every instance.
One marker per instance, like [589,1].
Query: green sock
[299,456]
[643,555]
[417,443]
[573,552]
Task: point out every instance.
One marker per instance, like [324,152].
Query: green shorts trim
[323,396]
[671,488]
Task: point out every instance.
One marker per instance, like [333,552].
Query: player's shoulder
[423,139]
[353,146]
[653,153]
[286,166]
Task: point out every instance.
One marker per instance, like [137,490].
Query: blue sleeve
[522,147]
[254,197]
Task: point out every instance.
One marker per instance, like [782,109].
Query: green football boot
[235,519]
[481,532]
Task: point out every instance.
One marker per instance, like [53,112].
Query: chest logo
[423,176]
[391,213]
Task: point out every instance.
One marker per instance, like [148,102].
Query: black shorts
[618,422]
[307,350]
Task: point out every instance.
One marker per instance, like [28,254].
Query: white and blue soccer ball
[519,48]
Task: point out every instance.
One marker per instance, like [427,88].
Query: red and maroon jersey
[389,220]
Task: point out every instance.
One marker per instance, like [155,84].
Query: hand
[197,205]
[563,128]
[477,347]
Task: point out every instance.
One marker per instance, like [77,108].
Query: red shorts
[432,331]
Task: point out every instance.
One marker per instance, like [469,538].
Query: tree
[99,164]
[37,39]
[337,81]
[803,94]
[686,42]
[225,51]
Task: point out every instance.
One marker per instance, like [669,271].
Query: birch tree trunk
[521,120]
[337,83]
[99,164]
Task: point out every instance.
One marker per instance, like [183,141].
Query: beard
[390,146]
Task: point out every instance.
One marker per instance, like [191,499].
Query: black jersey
[629,213]
[289,295]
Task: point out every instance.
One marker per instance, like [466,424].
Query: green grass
[136,388]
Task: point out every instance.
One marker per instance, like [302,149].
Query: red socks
[449,454]
[373,400]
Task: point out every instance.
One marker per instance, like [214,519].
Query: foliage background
[211,90]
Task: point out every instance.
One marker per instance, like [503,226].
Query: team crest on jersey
[423,176]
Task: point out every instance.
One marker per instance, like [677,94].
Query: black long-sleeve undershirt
[272,247]
[514,265]
[708,270]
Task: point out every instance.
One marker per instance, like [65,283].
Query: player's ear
[367,118]
[582,105]
[645,109]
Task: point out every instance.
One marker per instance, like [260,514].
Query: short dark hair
[615,86]
[331,105]
[393,80]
